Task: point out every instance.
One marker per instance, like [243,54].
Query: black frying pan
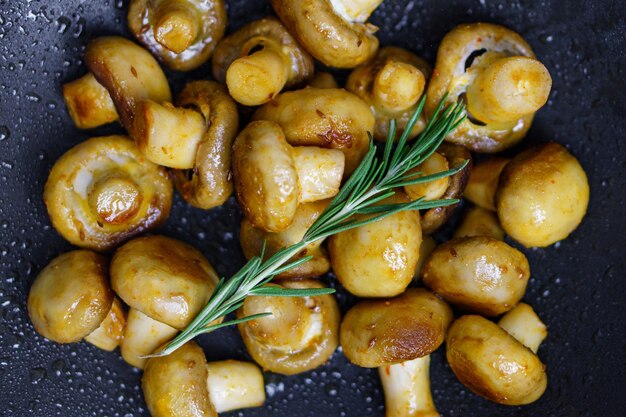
[578,286]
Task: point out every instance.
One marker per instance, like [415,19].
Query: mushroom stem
[508,89]
[234,385]
[523,324]
[355,10]
[110,332]
[176,25]
[256,78]
[142,336]
[115,199]
[398,86]
[319,172]
[407,389]
[88,102]
[168,135]
[483,182]
[480,222]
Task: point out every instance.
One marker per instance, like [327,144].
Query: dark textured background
[578,286]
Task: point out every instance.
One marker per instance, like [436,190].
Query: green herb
[373,181]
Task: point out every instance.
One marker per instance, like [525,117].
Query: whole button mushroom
[483,182]
[378,259]
[88,103]
[479,274]
[324,117]
[300,335]
[253,240]
[334,31]
[494,70]
[166,283]
[71,296]
[183,384]
[196,138]
[542,195]
[492,363]
[180,33]
[103,191]
[392,83]
[389,331]
[272,177]
[259,60]
[128,72]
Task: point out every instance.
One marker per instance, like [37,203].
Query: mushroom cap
[176,385]
[325,117]
[253,239]
[378,259]
[361,82]
[300,335]
[542,195]
[209,184]
[458,49]
[266,180]
[164,278]
[492,364]
[269,33]
[104,191]
[479,274]
[128,72]
[210,17]
[71,296]
[393,330]
[327,36]
[456,155]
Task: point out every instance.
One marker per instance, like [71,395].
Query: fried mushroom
[479,222]
[483,182]
[88,102]
[103,191]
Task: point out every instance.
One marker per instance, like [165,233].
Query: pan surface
[577,286]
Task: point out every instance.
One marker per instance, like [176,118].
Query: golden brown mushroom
[378,259]
[434,218]
[166,283]
[492,363]
[479,274]
[128,72]
[88,102]
[180,33]
[495,72]
[103,191]
[483,182]
[479,222]
[272,177]
[334,32]
[253,239]
[387,331]
[70,297]
[300,335]
[196,138]
[542,195]
[392,84]
[259,60]
[323,117]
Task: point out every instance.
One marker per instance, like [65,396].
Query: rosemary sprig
[373,181]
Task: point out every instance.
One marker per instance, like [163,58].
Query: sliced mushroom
[392,84]
[378,259]
[88,102]
[479,274]
[492,363]
[103,191]
[483,182]
[326,117]
[407,389]
[434,218]
[542,195]
[259,60]
[330,31]
[300,335]
[70,297]
[128,72]
[479,222]
[388,331]
[180,33]
[111,331]
[253,240]
[495,72]
[272,178]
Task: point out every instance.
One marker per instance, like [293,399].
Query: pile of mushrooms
[305,137]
